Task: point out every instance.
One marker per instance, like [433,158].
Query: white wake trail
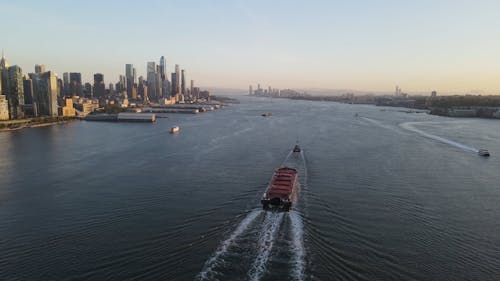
[297,246]
[265,246]
[224,246]
[409,126]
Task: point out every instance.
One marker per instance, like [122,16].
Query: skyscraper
[177,90]
[154,81]
[4,65]
[162,68]
[39,68]
[191,89]
[45,90]
[174,84]
[250,90]
[28,90]
[15,91]
[99,88]
[183,83]
[130,78]
[66,83]
[75,84]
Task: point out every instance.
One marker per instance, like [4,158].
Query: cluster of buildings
[260,92]
[42,93]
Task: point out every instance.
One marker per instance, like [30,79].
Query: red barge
[282,190]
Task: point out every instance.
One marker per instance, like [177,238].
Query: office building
[99,88]
[66,83]
[183,83]
[75,84]
[15,91]
[39,68]
[45,91]
[28,90]
[191,89]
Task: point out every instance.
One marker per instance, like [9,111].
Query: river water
[386,195]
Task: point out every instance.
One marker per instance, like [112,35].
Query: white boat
[483,152]
[174,129]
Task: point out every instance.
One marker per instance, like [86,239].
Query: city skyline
[447,46]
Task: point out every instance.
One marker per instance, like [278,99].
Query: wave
[223,248]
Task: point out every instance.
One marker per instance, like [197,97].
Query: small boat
[269,114]
[174,129]
[483,152]
[282,190]
[296,148]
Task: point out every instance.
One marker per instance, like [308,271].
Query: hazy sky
[365,45]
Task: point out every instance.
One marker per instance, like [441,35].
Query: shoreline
[37,125]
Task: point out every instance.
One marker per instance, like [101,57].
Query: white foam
[265,244]
[224,246]
[299,253]
[410,126]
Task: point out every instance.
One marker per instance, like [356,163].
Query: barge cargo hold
[282,190]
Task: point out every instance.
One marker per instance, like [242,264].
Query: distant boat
[269,114]
[174,130]
[483,152]
[296,148]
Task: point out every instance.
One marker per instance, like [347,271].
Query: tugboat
[282,190]
[296,148]
[174,130]
[483,152]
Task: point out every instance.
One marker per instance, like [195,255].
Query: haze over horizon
[448,46]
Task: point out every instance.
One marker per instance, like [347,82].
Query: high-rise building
[196,92]
[87,90]
[39,68]
[174,84]
[99,88]
[45,91]
[75,84]
[60,87]
[250,90]
[191,89]
[111,89]
[28,90]
[183,83]
[4,65]
[153,81]
[66,83]
[163,68]
[15,91]
[177,90]
[130,75]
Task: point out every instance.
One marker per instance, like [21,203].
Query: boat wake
[410,127]
[269,225]
[297,246]
[213,261]
[380,124]
[270,228]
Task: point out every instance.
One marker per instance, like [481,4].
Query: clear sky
[443,45]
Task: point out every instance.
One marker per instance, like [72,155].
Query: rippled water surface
[384,196]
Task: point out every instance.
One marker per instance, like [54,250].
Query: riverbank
[14,125]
